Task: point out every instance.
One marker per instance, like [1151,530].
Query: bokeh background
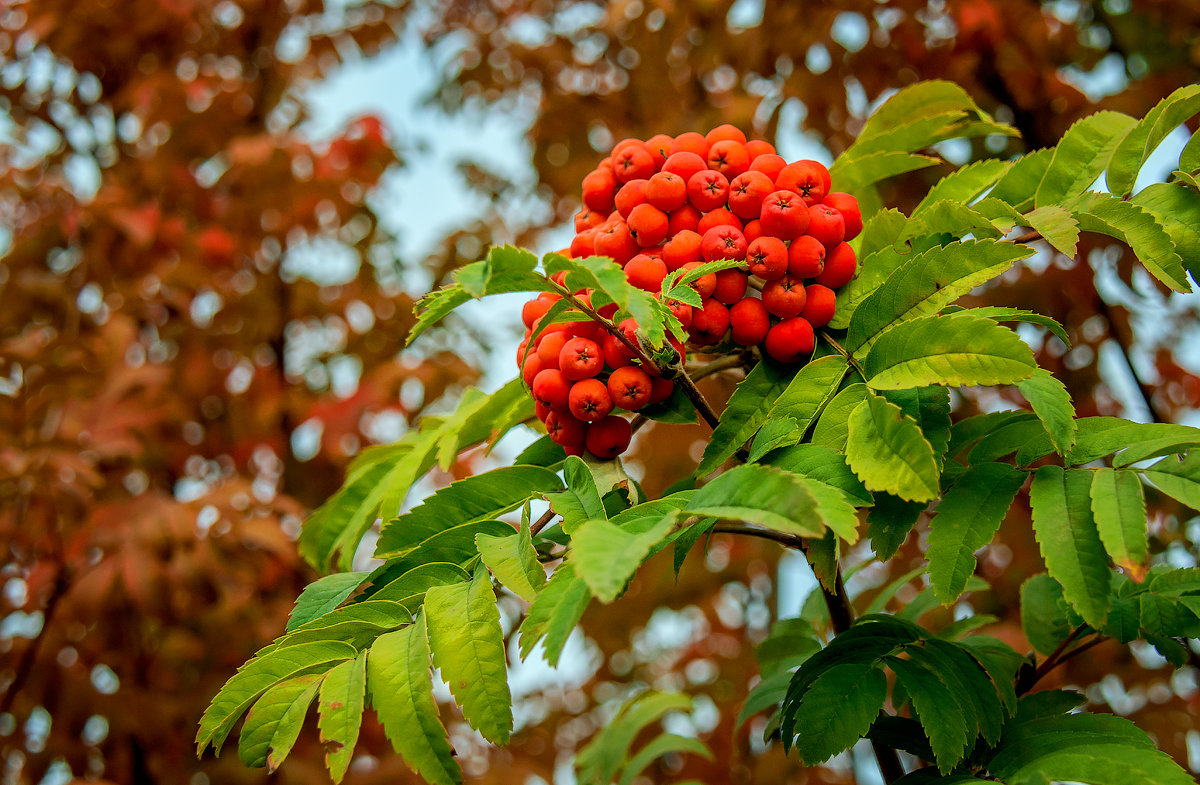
[215,216]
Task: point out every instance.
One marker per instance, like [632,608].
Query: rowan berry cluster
[672,203]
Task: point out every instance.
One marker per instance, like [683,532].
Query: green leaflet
[745,413]
[513,560]
[412,583]
[964,185]
[339,713]
[401,690]
[274,721]
[1101,436]
[858,173]
[931,98]
[956,350]
[606,556]
[1020,182]
[1044,613]
[1189,158]
[663,744]
[1070,544]
[602,757]
[808,392]
[767,694]
[782,432]
[595,272]
[838,709]
[966,519]
[951,218]
[322,596]
[929,408]
[1000,214]
[1136,227]
[889,523]
[356,624]
[939,710]
[1081,155]
[258,675]
[1141,141]
[1057,226]
[468,646]
[1119,509]
[889,453]
[506,269]
[777,500]
[1178,479]
[999,313]
[553,615]
[832,426]
[825,465]
[434,307]
[455,545]
[1176,207]
[790,642]
[474,498]
[1052,404]
[926,283]
[581,500]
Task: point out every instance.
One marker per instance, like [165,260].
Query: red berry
[770,165]
[757,147]
[826,225]
[806,257]
[565,429]
[784,297]
[708,190]
[728,157]
[682,248]
[616,355]
[648,224]
[746,194]
[580,358]
[682,311]
[646,273]
[660,390]
[686,218]
[767,257]
[725,132]
[753,230]
[541,410]
[705,284]
[536,308]
[659,146]
[810,179]
[784,215]
[630,388]
[598,189]
[666,191]
[583,244]
[840,264]
[609,437]
[587,219]
[709,323]
[589,400]
[690,142]
[718,217]
[847,205]
[790,339]
[684,164]
[551,388]
[820,305]
[630,196]
[749,322]
[615,241]
[723,242]
[731,286]
[531,368]
[549,346]
[633,162]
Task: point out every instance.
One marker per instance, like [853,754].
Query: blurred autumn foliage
[171,333]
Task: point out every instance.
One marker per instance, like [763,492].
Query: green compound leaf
[468,646]
[513,560]
[339,713]
[824,465]
[1141,141]
[778,500]
[966,519]
[654,318]
[256,677]
[475,498]
[745,413]
[938,709]
[926,283]
[1119,509]
[955,351]
[1136,227]
[606,556]
[1081,155]
[838,709]
[1070,544]
[1052,404]
[401,690]
[1179,479]
[889,453]
[553,615]
[274,721]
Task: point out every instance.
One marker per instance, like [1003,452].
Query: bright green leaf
[274,721]
[1070,544]
[1052,404]
[745,413]
[581,500]
[889,453]
[513,560]
[1119,508]
[322,596]
[553,615]
[339,713]
[606,556]
[1131,154]
[1136,227]
[1081,155]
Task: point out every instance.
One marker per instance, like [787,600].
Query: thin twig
[1052,661]
[837,347]
[542,522]
[724,363]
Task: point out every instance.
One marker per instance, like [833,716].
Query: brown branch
[1055,658]
[541,522]
[724,363]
